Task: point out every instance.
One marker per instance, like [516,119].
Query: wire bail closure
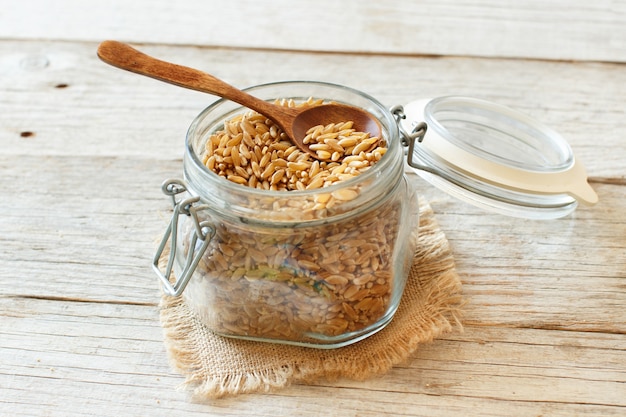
[409,138]
[198,243]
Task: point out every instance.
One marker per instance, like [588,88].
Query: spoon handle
[124,56]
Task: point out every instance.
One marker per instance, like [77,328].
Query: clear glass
[501,135]
[498,134]
[279,268]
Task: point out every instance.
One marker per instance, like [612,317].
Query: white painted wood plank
[81,358]
[555,30]
[103,110]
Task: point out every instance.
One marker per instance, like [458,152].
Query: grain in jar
[305,252]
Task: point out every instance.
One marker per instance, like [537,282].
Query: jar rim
[389,127]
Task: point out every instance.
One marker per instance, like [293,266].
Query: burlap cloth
[216,366]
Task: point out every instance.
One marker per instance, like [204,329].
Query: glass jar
[327,267]
[321,268]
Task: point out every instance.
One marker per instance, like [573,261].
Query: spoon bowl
[295,122]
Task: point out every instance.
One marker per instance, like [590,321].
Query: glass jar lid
[495,157]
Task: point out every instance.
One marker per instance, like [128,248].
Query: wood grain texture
[558,30]
[74,358]
[582,101]
[85,147]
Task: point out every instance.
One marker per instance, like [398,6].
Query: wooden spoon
[293,121]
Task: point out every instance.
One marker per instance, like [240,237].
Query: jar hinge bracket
[409,138]
[198,243]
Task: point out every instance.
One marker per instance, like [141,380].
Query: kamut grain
[251,139]
[286,284]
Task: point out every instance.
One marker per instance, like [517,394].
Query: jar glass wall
[323,267]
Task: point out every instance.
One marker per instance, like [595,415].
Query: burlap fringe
[431,306]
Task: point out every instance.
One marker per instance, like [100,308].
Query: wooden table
[85,148]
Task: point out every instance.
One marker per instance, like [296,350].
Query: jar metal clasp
[202,235]
[409,138]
